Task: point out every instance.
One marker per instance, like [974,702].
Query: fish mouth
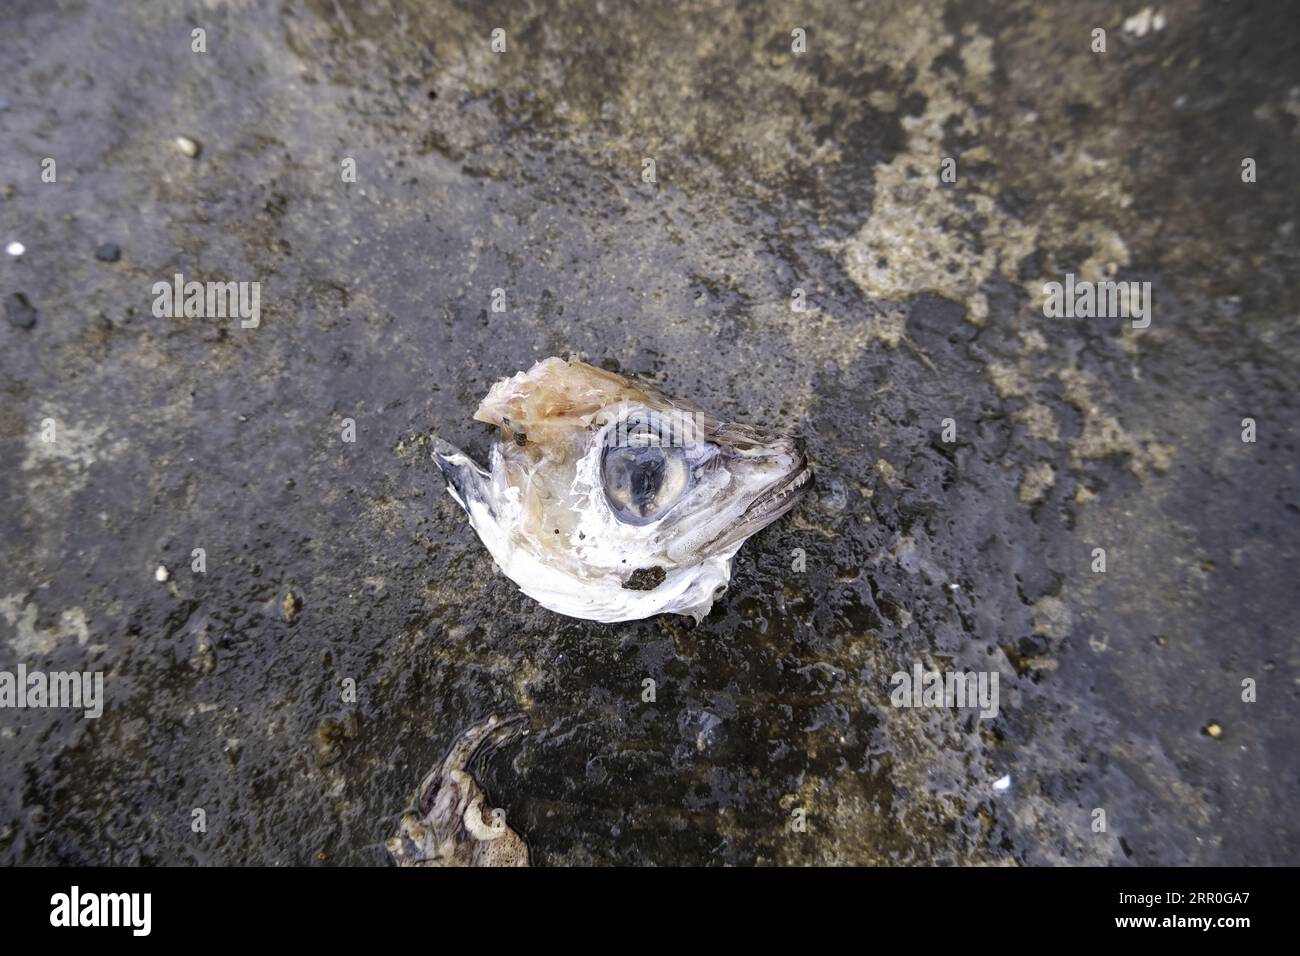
[781,496]
[778,498]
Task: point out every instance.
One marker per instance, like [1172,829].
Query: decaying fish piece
[450,823]
[607,500]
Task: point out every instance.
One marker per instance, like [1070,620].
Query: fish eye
[643,480]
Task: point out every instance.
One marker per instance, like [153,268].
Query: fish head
[607,500]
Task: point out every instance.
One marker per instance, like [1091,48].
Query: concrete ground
[522,171]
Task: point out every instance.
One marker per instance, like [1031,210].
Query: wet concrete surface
[522,171]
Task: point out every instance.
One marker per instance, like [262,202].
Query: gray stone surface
[775,171]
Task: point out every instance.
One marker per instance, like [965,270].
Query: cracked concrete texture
[776,171]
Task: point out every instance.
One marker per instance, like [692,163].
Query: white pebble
[15,248]
[1144,22]
[187,146]
[1002,783]
[162,574]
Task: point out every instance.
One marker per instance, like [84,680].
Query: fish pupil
[647,476]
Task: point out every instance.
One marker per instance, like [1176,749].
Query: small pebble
[1002,783]
[1213,729]
[290,607]
[15,248]
[108,252]
[162,574]
[20,313]
[330,735]
[187,146]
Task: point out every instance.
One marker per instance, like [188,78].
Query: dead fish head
[605,499]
